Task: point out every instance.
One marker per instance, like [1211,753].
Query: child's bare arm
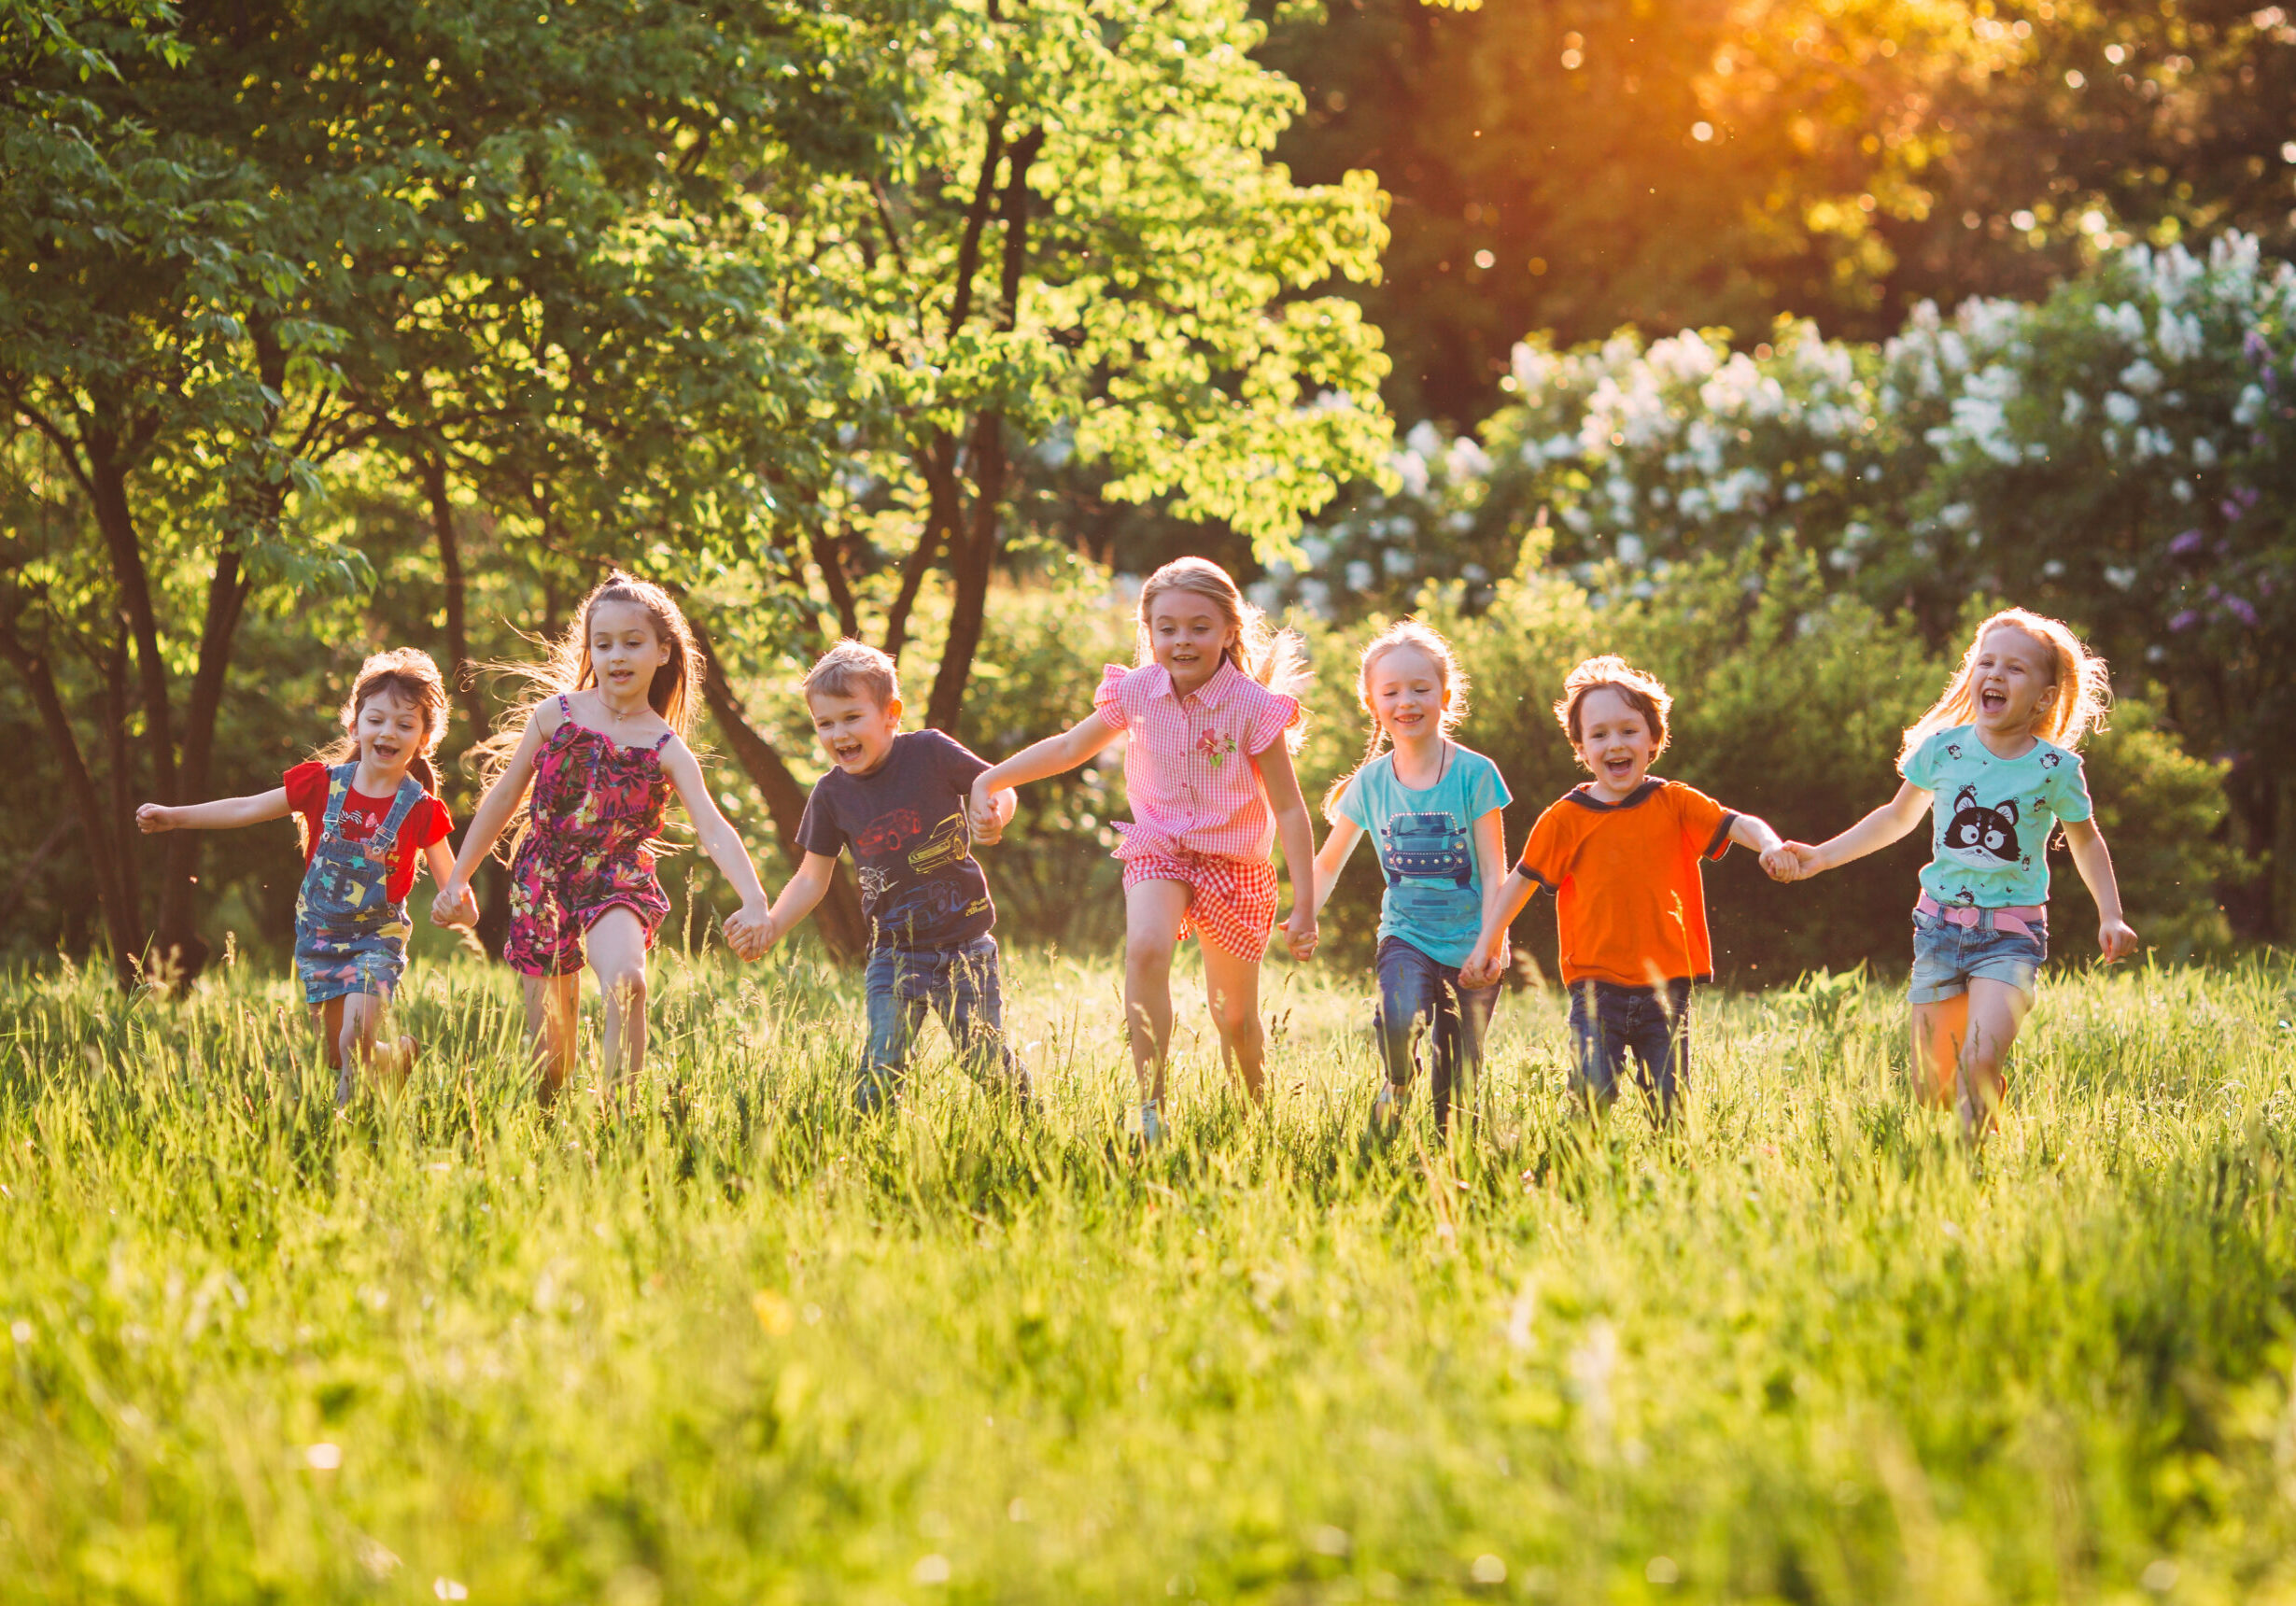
[1332,857]
[1296,831]
[1482,966]
[1053,756]
[2094,860]
[727,851]
[799,897]
[1755,834]
[223,814]
[1490,869]
[1876,830]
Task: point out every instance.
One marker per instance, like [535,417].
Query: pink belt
[2021,918]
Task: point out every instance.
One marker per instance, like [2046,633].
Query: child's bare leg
[328,1019]
[1937,1032]
[1997,1010]
[550,1028]
[1153,914]
[355,1039]
[1232,988]
[617,947]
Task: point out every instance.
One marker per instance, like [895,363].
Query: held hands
[750,932]
[982,817]
[1791,862]
[1300,934]
[455,904]
[2117,940]
[1485,966]
[155,817]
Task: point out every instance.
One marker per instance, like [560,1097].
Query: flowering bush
[2122,454]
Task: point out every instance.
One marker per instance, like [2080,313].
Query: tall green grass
[745,1346]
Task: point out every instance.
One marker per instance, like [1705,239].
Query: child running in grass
[602,746]
[899,800]
[1621,853]
[368,811]
[1210,709]
[1994,763]
[1431,808]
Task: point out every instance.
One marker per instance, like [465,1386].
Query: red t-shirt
[427,823]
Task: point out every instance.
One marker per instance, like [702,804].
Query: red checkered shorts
[1231,902]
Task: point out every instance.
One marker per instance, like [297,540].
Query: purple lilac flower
[2186,543]
[2241,608]
[2184,621]
[2254,345]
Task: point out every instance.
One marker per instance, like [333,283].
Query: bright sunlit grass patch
[747,1346]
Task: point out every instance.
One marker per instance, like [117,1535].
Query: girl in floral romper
[1212,721]
[367,811]
[603,749]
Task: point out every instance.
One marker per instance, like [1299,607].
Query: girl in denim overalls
[603,749]
[1998,753]
[367,810]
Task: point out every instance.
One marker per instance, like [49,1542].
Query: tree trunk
[177,924]
[843,930]
[972,552]
[121,925]
[462,674]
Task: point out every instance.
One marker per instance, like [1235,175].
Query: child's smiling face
[857,732]
[1615,742]
[1407,693]
[2013,681]
[625,651]
[1187,634]
[388,732]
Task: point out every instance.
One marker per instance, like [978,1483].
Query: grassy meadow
[746,1347]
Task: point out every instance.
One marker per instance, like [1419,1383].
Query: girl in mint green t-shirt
[1431,810]
[1993,764]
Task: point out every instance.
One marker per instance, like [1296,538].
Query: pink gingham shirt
[1191,765]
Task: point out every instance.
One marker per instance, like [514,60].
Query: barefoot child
[1209,708]
[1993,762]
[604,748]
[1431,808]
[897,799]
[1621,853]
[367,810]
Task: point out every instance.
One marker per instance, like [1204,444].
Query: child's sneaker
[1152,1123]
[1387,1109]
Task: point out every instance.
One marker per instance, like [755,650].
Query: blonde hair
[854,669]
[1274,658]
[2068,718]
[566,667]
[1645,693]
[1420,637]
[406,672]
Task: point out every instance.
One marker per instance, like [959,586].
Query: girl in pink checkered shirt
[1212,721]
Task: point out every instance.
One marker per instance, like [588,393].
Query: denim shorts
[1948,957]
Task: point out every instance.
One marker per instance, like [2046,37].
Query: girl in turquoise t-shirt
[1994,763]
[1432,809]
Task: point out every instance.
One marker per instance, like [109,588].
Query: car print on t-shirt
[1426,859]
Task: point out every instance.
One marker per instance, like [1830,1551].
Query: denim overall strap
[349,936]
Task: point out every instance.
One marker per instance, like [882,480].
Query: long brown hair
[405,672]
[1274,658]
[2084,685]
[1419,637]
[566,667]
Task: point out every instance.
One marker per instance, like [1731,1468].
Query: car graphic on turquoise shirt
[1425,848]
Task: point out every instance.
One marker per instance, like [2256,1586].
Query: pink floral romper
[597,808]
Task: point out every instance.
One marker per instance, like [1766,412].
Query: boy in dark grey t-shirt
[898,801]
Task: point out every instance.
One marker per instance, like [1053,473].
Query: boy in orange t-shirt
[1621,853]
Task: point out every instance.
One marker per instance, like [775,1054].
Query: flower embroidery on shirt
[1215,747]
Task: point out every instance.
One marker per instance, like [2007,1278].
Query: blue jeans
[1417,991]
[962,986]
[1608,1023]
